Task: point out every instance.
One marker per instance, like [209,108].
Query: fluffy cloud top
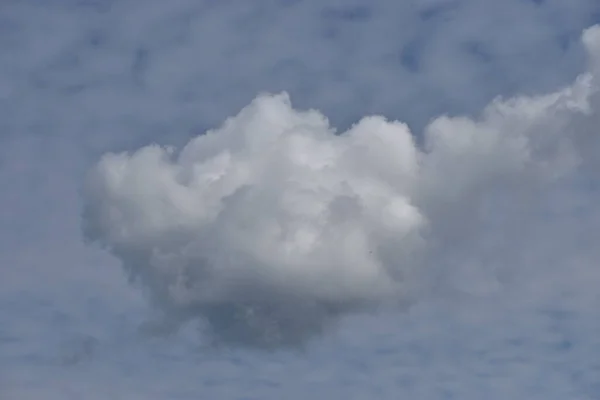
[273,224]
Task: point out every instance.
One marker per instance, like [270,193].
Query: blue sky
[472,270]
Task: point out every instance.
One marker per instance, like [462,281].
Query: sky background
[82,78]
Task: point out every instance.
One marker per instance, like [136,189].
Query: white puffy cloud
[517,290]
[272,224]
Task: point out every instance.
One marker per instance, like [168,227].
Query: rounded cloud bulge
[273,225]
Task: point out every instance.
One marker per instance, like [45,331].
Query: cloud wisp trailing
[272,225]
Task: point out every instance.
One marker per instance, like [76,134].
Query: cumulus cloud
[274,224]
[79,78]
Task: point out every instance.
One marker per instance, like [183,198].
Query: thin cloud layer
[117,62]
[272,225]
